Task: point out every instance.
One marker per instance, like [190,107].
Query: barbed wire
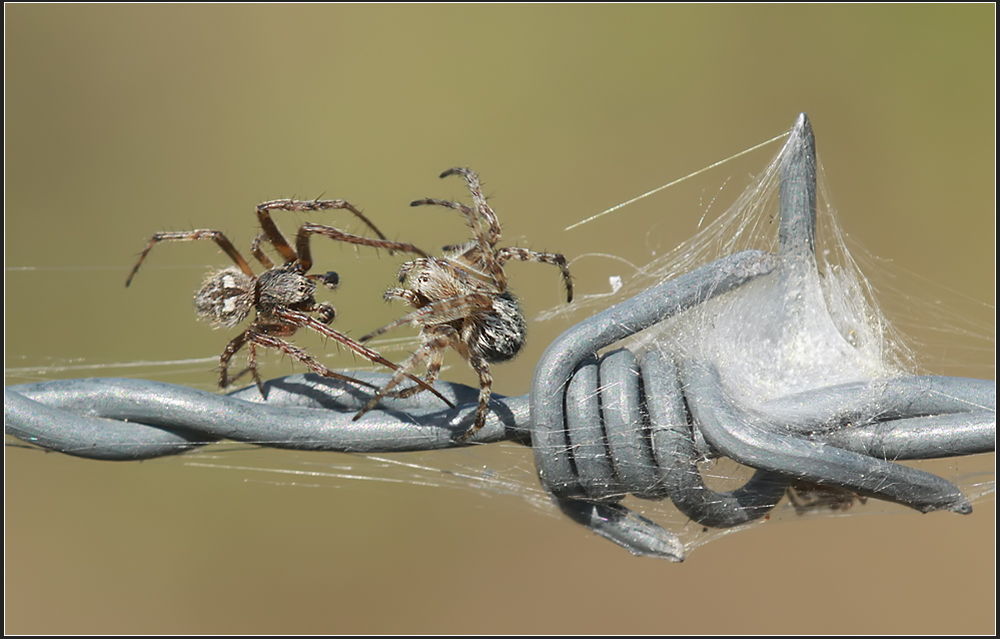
[601,426]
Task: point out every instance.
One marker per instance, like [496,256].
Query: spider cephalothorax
[283,297]
[461,300]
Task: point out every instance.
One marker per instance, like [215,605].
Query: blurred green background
[122,121]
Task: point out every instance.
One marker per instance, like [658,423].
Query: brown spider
[462,301]
[282,296]
[806,497]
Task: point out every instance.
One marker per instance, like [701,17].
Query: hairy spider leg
[251,368]
[231,349]
[269,336]
[486,213]
[259,253]
[436,335]
[434,362]
[299,319]
[187,236]
[308,229]
[483,222]
[482,367]
[278,240]
[434,340]
[526,255]
[480,249]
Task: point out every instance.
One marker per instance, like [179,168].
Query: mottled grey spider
[462,300]
[282,296]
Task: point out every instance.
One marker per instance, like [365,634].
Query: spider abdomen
[225,298]
[498,335]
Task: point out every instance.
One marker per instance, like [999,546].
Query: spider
[462,301]
[806,497]
[282,296]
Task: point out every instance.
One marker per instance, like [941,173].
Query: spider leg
[526,255]
[278,240]
[269,336]
[483,222]
[299,319]
[187,236]
[231,349]
[309,228]
[251,357]
[481,250]
[482,367]
[252,366]
[439,312]
[434,341]
[470,215]
[435,359]
[258,252]
[485,212]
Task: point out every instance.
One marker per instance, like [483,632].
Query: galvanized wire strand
[131,419]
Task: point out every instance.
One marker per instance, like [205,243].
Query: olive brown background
[122,121]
